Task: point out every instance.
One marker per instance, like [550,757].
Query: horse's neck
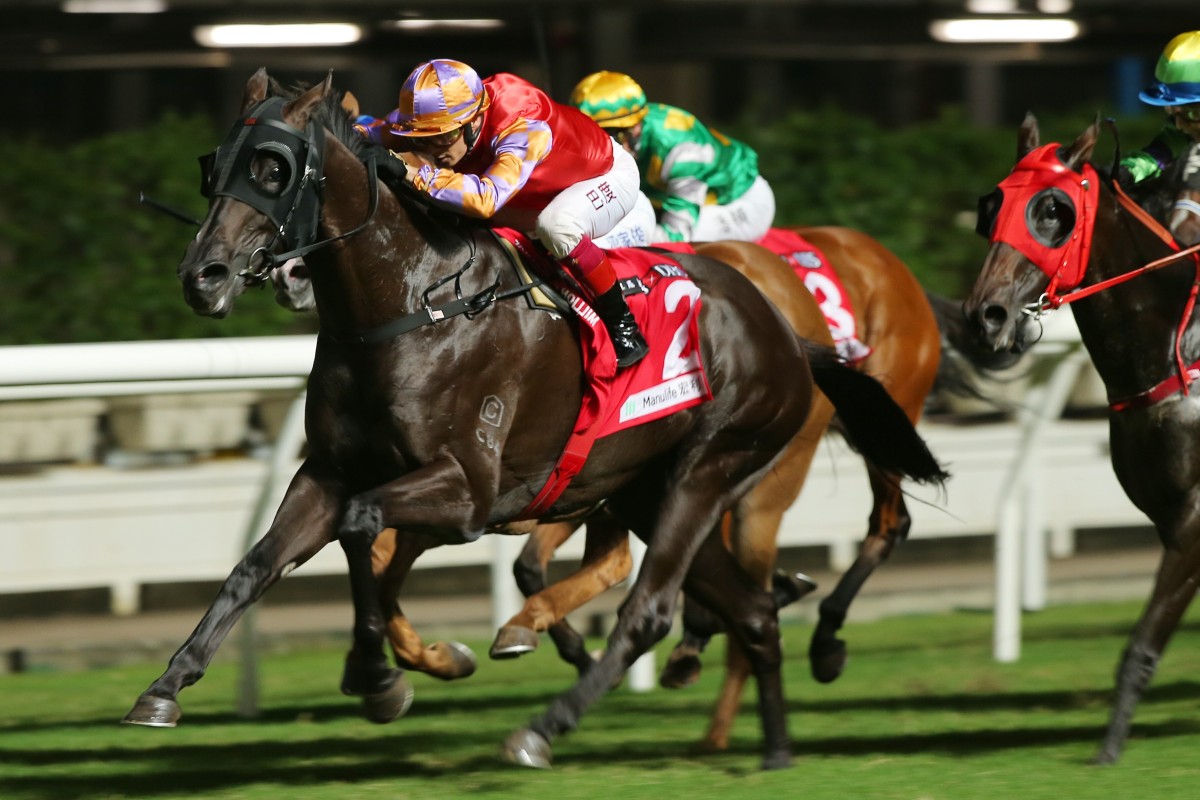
[1129,329]
[377,274]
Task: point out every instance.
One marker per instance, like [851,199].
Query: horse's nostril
[994,317]
[213,272]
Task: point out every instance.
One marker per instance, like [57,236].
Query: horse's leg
[606,562]
[1174,588]
[751,531]
[302,526]
[438,496]
[645,618]
[749,651]
[889,524]
[392,558]
[754,548]
[908,367]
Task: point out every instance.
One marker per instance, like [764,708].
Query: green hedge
[915,189]
[81,260]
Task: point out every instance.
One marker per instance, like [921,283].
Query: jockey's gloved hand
[389,166]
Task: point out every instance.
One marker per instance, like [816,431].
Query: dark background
[76,75]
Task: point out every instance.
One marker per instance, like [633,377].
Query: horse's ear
[1081,149]
[302,105]
[350,104]
[256,89]
[1028,137]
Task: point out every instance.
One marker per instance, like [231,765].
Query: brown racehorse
[385,452]
[896,320]
[1061,232]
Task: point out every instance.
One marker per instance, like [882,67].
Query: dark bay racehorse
[1061,232]
[895,318]
[394,401]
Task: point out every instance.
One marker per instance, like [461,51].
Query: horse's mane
[338,121]
[327,112]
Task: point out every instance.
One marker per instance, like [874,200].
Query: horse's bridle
[295,209]
[1065,259]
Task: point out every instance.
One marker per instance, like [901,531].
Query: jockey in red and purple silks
[501,150]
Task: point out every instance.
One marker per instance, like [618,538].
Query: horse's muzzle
[207,290]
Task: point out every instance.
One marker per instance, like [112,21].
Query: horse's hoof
[527,749]
[828,661]
[390,704]
[462,660]
[788,589]
[777,760]
[363,677]
[512,641]
[153,712]
[1106,756]
[680,671]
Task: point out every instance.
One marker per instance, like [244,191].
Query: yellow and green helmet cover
[613,99]
[1177,76]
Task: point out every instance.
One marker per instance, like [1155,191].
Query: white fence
[88,526]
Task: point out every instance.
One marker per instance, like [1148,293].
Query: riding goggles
[1190,112]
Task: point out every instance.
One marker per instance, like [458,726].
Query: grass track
[922,713]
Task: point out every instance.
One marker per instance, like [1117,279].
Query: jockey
[1177,90]
[703,185]
[501,150]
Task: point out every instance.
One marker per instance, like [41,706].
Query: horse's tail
[873,423]
[967,364]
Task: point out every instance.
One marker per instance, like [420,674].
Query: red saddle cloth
[666,304]
[813,268]
[822,282]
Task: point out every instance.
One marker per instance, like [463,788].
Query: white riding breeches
[747,218]
[592,207]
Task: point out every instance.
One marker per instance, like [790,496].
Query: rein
[272,261]
[1051,301]
[431,314]
[1185,373]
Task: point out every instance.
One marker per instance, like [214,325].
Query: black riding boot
[622,327]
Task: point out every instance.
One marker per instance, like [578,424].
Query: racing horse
[896,320]
[1062,232]
[399,382]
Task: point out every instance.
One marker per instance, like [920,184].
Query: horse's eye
[1050,217]
[269,175]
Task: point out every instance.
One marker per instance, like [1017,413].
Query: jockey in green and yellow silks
[1177,90]
[703,185]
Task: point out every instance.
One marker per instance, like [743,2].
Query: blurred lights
[992,6]
[1013,7]
[114,6]
[1001,29]
[290,35]
[443,24]
[1055,6]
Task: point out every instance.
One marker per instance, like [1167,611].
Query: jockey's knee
[559,232]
